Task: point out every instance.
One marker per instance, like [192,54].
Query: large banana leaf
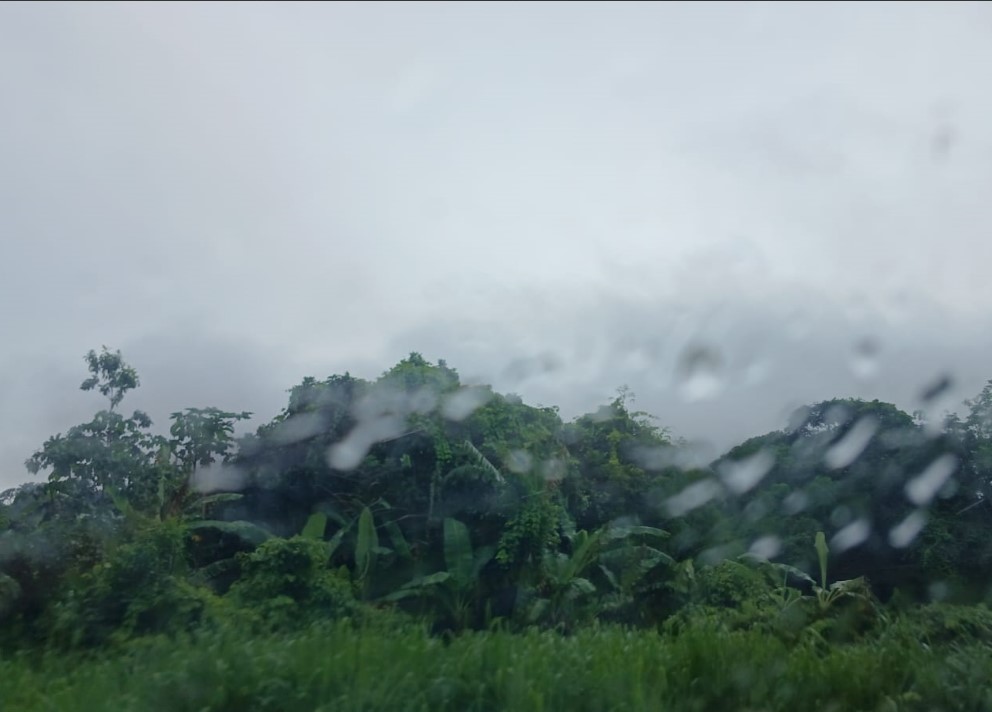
[400,545]
[418,586]
[368,543]
[458,555]
[626,532]
[822,550]
[315,526]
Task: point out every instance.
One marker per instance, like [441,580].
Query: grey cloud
[768,368]
[241,195]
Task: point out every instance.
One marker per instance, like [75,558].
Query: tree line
[418,495]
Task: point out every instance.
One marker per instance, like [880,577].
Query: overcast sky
[556,198]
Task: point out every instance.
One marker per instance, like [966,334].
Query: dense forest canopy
[418,495]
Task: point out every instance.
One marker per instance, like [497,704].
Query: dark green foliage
[139,588]
[401,668]
[287,580]
[473,511]
[110,375]
[945,624]
[730,584]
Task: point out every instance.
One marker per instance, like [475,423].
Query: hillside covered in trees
[427,517]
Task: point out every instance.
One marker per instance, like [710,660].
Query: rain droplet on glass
[924,487]
[848,448]
[699,374]
[864,359]
[852,535]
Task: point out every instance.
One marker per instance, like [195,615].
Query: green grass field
[336,667]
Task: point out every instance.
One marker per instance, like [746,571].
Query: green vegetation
[415,543]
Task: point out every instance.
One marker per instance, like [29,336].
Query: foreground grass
[335,667]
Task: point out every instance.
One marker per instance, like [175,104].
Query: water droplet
[767,547]
[755,510]
[603,414]
[841,515]
[922,488]
[519,462]
[348,453]
[716,554]
[385,427]
[852,535]
[298,427]
[864,360]
[699,374]
[218,477]
[903,534]
[653,458]
[423,400]
[741,475]
[756,373]
[795,502]
[846,450]
[553,470]
[949,489]
[938,591]
[381,400]
[693,496]
[797,418]
[522,369]
[465,401]
[937,388]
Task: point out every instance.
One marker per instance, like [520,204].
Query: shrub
[730,584]
[287,580]
[140,588]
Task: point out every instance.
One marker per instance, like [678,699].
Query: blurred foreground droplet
[850,536]
[423,400]
[699,374]
[693,496]
[767,547]
[519,462]
[936,399]
[846,450]
[741,475]
[463,402]
[522,369]
[903,534]
[349,453]
[795,502]
[218,477]
[553,470]
[937,388]
[864,360]
[299,427]
[924,487]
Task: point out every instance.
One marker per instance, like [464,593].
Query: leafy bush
[140,588]
[939,623]
[730,584]
[287,580]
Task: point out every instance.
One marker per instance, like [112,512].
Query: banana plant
[455,590]
[357,542]
[628,555]
[564,587]
[618,554]
[826,596]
